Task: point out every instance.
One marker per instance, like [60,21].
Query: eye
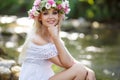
[55,12]
[45,13]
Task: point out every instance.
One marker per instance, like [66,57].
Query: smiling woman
[49,17]
[43,46]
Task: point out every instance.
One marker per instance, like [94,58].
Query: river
[98,49]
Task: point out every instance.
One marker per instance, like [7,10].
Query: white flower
[47,6]
[67,2]
[67,11]
[54,5]
[63,5]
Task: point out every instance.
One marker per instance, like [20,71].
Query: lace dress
[36,65]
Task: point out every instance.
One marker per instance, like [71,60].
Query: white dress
[36,65]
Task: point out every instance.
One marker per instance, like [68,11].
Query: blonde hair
[36,29]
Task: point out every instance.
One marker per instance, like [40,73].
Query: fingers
[53,26]
[90,76]
[56,26]
[53,30]
[86,78]
[76,78]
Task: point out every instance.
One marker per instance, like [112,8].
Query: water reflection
[13,42]
[73,36]
[24,21]
[86,62]
[86,56]
[95,24]
[81,35]
[93,49]
[7,19]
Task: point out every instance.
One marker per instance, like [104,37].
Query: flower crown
[40,5]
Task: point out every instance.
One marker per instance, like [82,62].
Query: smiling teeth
[50,21]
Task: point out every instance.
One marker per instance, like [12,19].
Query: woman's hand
[54,31]
[90,74]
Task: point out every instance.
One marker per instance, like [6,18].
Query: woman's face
[49,17]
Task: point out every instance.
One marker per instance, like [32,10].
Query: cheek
[43,19]
[57,18]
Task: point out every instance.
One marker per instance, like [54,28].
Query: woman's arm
[64,56]
[56,60]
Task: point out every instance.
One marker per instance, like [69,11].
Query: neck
[43,33]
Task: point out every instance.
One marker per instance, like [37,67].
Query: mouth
[51,22]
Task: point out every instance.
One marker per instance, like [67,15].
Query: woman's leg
[76,72]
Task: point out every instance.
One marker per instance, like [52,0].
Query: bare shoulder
[38,40]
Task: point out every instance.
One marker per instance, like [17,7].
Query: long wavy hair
[37,29]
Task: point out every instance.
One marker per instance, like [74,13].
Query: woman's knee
[51,78]
[79,66]
[80,69]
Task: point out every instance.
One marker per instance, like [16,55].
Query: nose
[51,16]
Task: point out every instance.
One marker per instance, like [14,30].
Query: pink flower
[59,6]
[38,5]
[51,2]
[32,13]
[67,10]
[37,2]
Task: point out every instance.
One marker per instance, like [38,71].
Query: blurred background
[91,34]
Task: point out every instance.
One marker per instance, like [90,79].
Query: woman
[44,46]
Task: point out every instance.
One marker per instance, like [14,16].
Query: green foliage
[100,10]
[15,7]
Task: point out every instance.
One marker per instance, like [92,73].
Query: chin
[51,25]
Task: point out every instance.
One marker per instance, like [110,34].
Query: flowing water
[99,49]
